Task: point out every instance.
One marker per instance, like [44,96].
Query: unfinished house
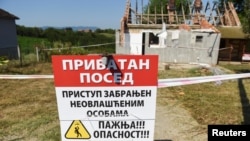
[182,33]
[233,40]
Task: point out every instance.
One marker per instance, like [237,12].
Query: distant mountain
[74,28]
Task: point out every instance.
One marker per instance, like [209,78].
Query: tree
[154,5]
[238,5]
[246,22]
[246,18]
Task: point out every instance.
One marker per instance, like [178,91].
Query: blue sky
[101,13]
[35,13]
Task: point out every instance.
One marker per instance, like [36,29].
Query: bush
[30,57]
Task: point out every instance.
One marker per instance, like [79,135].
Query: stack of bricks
[206,25]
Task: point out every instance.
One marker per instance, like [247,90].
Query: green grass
[28,44]
[109,35]
[28,48]
[209,103]
[237,68]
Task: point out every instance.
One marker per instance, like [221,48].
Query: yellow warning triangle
[77,131]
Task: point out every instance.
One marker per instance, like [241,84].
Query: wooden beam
[227,17]
[183,13]
[235,15]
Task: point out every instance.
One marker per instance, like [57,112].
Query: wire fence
[44,54]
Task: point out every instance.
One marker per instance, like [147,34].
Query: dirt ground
[174,123]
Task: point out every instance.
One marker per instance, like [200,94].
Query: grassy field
[28,47]
[28,44]
[29,109]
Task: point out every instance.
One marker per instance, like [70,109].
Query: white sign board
[106,100]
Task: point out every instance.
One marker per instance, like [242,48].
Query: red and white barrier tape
[26,76]
[196,80]
[161,82]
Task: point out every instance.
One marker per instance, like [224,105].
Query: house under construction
[184,33]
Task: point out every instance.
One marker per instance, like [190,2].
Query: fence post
[37,54]
[18,52]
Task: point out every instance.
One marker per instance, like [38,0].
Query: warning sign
[108,100]
[116,130]
[77,131]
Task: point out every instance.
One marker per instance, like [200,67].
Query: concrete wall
[8,39]
[121,48]
[187,48]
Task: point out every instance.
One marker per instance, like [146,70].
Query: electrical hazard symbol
[77,131]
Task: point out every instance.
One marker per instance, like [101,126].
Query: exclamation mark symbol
[143,124]
[137,124]
[146,134]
